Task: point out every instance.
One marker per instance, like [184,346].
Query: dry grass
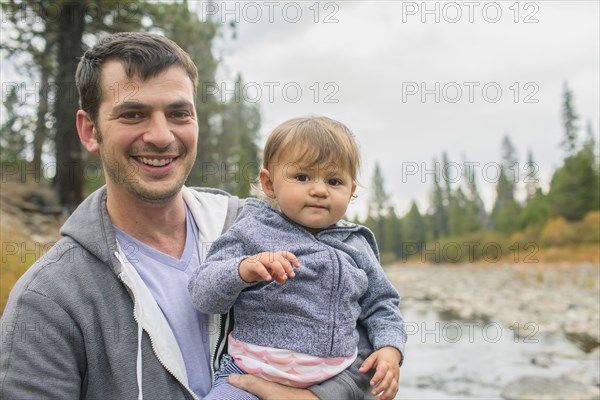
[20,245]
[15,260]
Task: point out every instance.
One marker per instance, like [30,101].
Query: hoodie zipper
[135,317]
[337,274]
[213,359]
[335,299]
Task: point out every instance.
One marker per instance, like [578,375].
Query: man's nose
[159,132]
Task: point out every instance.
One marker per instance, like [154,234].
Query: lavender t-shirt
[167,278]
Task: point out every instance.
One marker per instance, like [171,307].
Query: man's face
[147,132]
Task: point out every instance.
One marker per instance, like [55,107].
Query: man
[105,314]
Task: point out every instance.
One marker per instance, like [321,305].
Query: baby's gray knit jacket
[338,283]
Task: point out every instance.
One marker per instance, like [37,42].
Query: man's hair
[142,55]
[314,140]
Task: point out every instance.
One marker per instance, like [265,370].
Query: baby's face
[315,197]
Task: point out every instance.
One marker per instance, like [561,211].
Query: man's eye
[334,182]
[302,178]
[180,114]
[132,115]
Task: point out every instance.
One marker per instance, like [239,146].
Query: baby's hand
[387,372]
[268,265]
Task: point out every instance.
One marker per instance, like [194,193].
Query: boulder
[540,388]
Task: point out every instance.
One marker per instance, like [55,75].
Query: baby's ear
[266,182]
[353,190]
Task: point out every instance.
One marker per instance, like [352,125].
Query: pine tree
[509,165]
[241,122]
[570,117]
[591,148]
[447,190]
[414,230]
[438,207]
[71,25]
[573,187]
[378,203]
[480,218]
[14,130]
[461,216]
[532,182]
[537,208]
[392,233]
[536,211]
[505,213]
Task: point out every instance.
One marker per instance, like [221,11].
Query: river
[451,359]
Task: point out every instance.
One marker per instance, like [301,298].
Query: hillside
[29,222]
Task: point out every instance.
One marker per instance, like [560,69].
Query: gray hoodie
[81,324]
[339,282]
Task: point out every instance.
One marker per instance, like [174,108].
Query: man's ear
[266,182]
[87,132]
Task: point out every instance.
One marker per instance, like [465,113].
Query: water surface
[453,359]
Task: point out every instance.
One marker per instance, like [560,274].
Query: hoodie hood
[90,226]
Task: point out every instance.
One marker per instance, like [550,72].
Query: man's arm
[350,384]
[266,390]
[42,354]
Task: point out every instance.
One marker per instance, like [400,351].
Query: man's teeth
[155,162]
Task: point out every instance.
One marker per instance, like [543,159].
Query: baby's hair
[316,140]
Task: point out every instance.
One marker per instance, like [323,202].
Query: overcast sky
[413,81]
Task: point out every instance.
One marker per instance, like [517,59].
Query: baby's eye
[334,182]
[302,178]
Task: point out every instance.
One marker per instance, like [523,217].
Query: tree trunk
[40,129]
[69,168]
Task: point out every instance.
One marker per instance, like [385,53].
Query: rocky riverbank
[535,301]
[529,299]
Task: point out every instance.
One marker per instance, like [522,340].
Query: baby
[298,277]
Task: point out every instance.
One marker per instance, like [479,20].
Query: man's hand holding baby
[266,266]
